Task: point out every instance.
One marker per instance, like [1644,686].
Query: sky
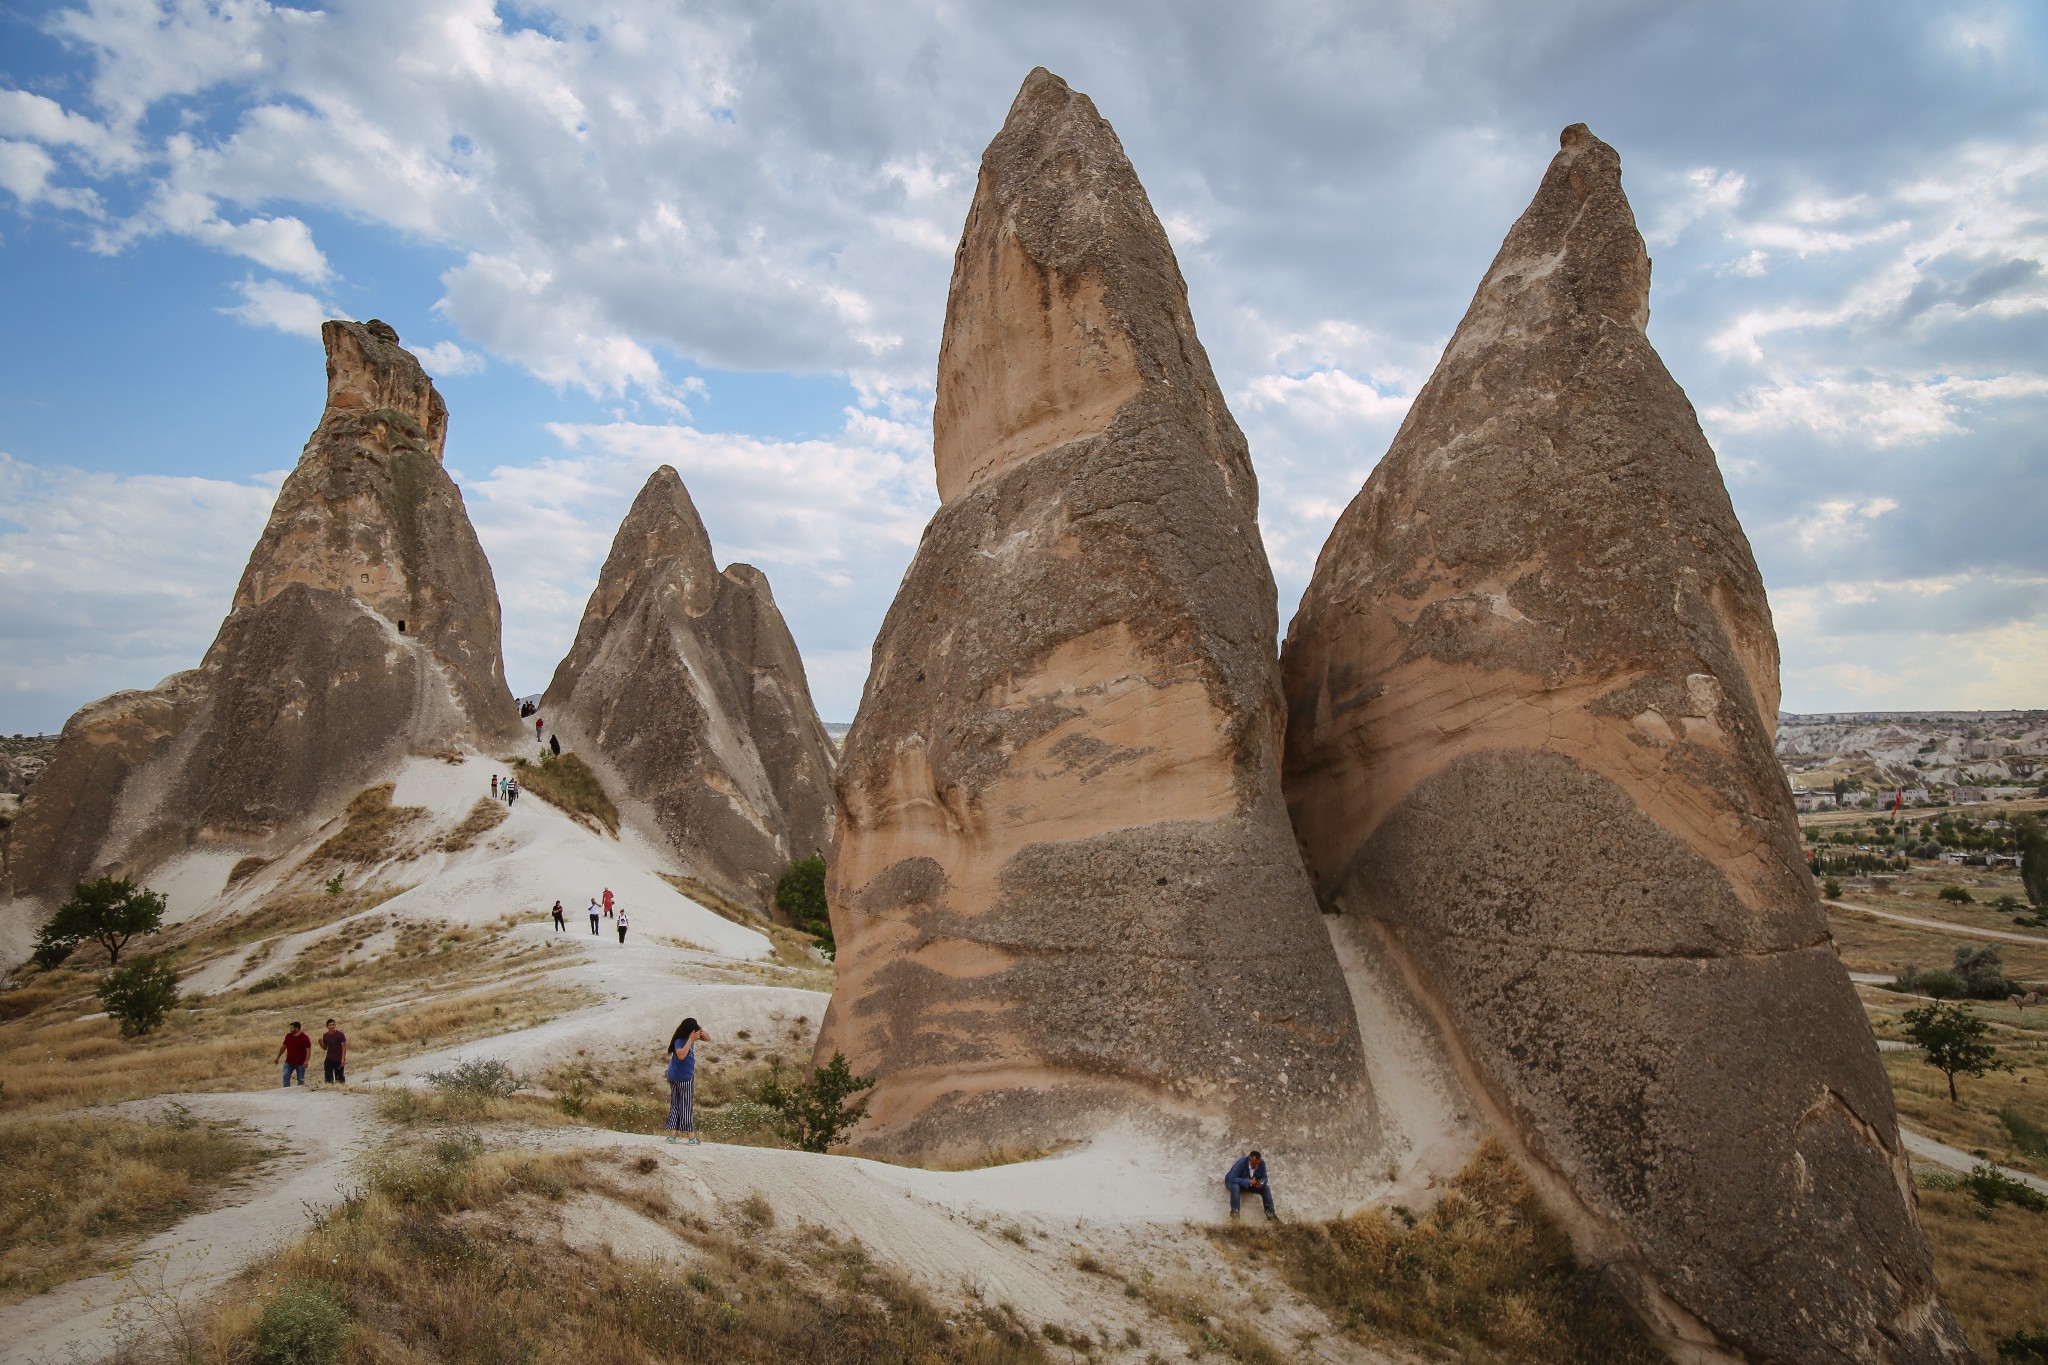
[718,236]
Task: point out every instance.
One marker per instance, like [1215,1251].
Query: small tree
[814,1113]
[2033,846]
[1982,972]
[108,912]
[1953,1040]
[139,995]
[1959,895]
[1831,888]
[801,894]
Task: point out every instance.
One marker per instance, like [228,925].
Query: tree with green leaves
[801,895]
[814,1113]
[2032,842]
[139,995]
[109,912]
[1952,1040]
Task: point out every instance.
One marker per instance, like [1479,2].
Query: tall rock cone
[365,628]
[685,689]
[1065,891]
[1532,692]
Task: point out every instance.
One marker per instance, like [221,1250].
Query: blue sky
[719,236]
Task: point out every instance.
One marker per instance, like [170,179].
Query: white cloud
[1880,411]
[445,358]
[269,303]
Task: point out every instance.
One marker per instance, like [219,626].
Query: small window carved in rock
[401,627]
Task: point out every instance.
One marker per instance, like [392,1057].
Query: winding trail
[322,1130]
[2002,935]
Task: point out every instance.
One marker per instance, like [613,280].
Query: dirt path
[2001,935]
[1941,1154]
[323,1130]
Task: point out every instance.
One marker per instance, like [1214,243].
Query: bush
[1981,971]
[479,1077]
[801,894]
[567,783]
[1958,895]
[1939,985]
[814,1113]
[139,995]
[2029,1137]
[1831,888]
[1990,1187]
[2025,1347]
[301,1326]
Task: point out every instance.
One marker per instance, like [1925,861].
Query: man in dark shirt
[295,1049]
[335,1044]
[1250,1174]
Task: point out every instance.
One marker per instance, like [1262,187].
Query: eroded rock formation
[685,689]
[1065,891]
[365,628]
[1532,689]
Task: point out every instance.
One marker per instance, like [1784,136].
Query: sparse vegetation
[485,816]
[801,894]
[1485,1274]
[478,1077]
[303,1325]
[816,1112]
[1959,894]
[372,830]
[422,1258]
[73,1189]
[1989,1262]
[109,911]
[1990,1187]
[567,783]
[1953,1042]
[139,995]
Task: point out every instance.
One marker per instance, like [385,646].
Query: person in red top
[335,1044]
[295,1049]
[607,902]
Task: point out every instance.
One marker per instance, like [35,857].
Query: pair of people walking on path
[682,1078]
[297,1048]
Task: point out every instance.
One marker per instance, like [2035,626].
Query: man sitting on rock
[1250,1174]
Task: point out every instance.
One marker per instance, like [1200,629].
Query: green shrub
[814,1113]
[301,1326]
[1990,1187]
[2025,1347]
[2027,1136]
[479,1077]
[801,894]
[139,995]
[1831,888]
[1940,985]
[1981,972]
[1958,895]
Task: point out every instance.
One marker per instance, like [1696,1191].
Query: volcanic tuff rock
[1531,694]
[685,688]
[1064,888]
[365,627]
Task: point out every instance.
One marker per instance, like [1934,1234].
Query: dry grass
[1485,1273]
[1973,1125]
[432,990]
[74,1189]
[371,834]
[567,783]
[448,1254]
[1993,1265]
[1868,944]
[485,816]
[793,947]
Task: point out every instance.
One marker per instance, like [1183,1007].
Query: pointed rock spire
[365,628]
[1065,893]
[1532,691]
[685,689]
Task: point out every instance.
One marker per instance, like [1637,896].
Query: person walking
[561,924]
[537,723]
[555,745]
[334,1046]
[294,1050]
[607,900]
[1250,1174]
[593,917]
[622,924]
[494,786]
[682,1081]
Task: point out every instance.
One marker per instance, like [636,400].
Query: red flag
[1899,801]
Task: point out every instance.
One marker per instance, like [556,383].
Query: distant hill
[1934,750]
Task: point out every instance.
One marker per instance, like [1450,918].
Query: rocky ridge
[1532,688]
[685,691]
[364,628]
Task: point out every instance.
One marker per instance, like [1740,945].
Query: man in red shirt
[335,1044]
[295,1049]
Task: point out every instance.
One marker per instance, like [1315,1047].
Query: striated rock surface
[365,628]
[1531,691]
[1065,891]
[685,690]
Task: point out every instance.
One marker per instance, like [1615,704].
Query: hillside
[1929,753]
